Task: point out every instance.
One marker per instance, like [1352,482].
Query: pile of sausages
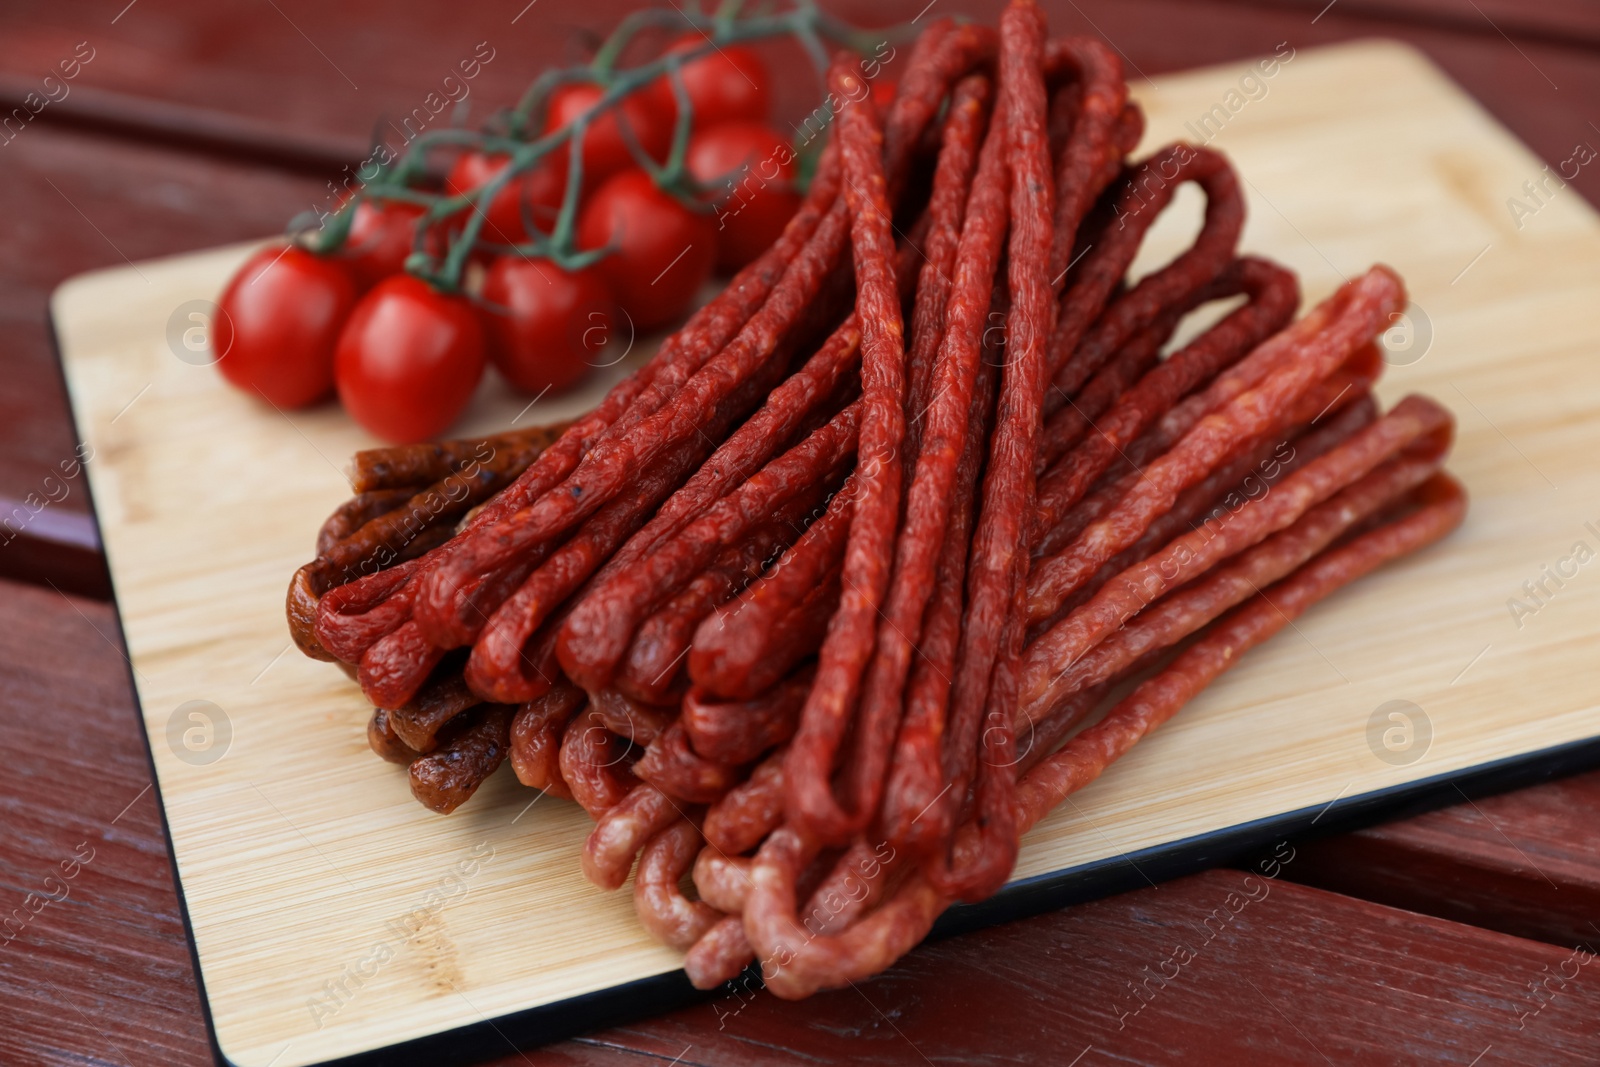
[816,605]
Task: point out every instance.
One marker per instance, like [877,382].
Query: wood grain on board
[1363,153]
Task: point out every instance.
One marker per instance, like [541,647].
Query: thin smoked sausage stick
[931,521]
[1442,503]
[991,641]
[808,769]
[1075,350]
[743,731]
[1254,468]
[1094,148]
[536,739]
[953,176]
[1181,613]
[414,466]
[1363,307]
[909,820]
[446,778]
[669,916]
[1273,296]
[1414,420]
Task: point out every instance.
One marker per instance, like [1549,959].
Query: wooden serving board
[332,916]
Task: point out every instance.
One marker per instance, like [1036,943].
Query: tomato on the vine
[277,324]
[749,169]
[537,192]
[408,359]
[545,325]
[381,236]
[605,151]
[729,84]
[661,251]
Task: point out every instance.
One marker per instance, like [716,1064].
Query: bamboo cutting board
[332,915]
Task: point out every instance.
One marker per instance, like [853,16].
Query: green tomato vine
[509,133]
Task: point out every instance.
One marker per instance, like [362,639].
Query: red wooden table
[1458,936]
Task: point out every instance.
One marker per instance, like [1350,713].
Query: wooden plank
[1279,974]
[294,67]
[1572,24]
[51,545]
[91,203]
[185,126]
[93,963]
[1535,89]
[316,72]
[1353,128]
[1523,863]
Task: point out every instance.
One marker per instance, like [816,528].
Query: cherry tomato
[408,359]
[382,235]
[662,252]
[604,150]
[538,190]
[278,322]
[749,168]
[380,239]
[545,324]
[728,84]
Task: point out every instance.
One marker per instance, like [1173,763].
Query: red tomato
[749,168]
[380,239]
[662,252]
[408,359]
[382,235]
[538,190]
[728,84]
[277,324]
[604,150]
[546,324]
